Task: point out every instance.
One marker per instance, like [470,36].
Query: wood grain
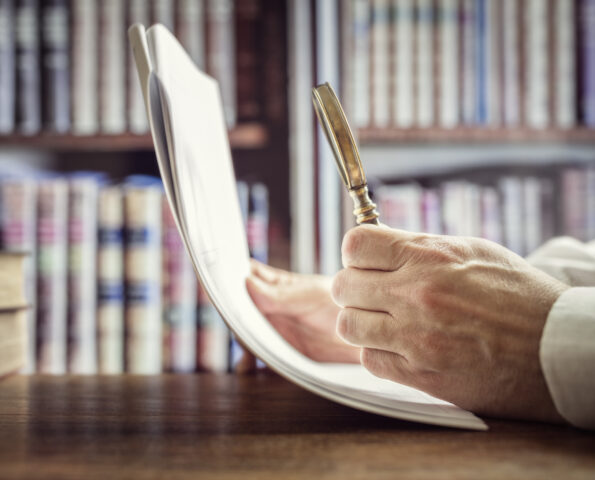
[224,426]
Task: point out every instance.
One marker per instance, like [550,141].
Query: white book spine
[142,211]
[403,75]
[85,120]
[110,276]
[510,63]
[491,218]
[82,273]
[401,206]
[511,189]
[113,67]
[381,63]
[52,252]
[449,74]
[493,65]
[425,66]
[138,12]
[536,61]
[590,180]
[222,54]
[191,30]
[468,61]
[361,63]
[471,203]
[532,214]
[565,73]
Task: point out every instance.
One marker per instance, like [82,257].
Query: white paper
[192,147]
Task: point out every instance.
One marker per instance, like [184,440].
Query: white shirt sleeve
[567,355]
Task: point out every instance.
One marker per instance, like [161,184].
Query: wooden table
[225,426]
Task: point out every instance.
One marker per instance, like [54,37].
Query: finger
[364,328]
[374,248]
[363,289]
[389,365]
[265,272]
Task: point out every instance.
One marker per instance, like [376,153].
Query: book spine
[82,276]
[573,190]
[401,206]
[536,58]
[549,206]
[493,82]
[491,218]
[221,57]
[586,16]
[28,81]
[112,72]
[55,27]
[18,199]
[163,13]
[213,342]
[180,288]
[468,61]
[565,64]
[449,72]
[590,180]
[191,30]
[85,119]
[511,114]
[110,282]
[138,12]
[471,202]
[480,116]
[142,213]
[425,63]
[274,27]
[533,215]
[249,97]
[361,63]
[7,67]
[403,73]
[52,250]
[380,63]
[432,214]
[511,190]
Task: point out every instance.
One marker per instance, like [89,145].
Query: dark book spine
[247,23]
[586,16]
[55,64]
[7,82]
[28,108]
[273,56]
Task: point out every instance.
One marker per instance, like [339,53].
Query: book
[191,30]
[138,11]
[381,114]
[565,64]
[82,272]
[110,281]
[511,79]
[12,280]
[28,64]
[187,116]
[85,108]
[13,339]
[55,42]
[424,63]
[112,67]
[143,275]
[52,287]
[18,208]
[404,12]
[361,63]
[468,61]
[401,206]
[7,67]
[586,57]
[163,13]
[449,71]
[536,59]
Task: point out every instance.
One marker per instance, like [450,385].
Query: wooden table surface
[225,426]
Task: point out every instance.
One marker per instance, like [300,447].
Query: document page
[192,147]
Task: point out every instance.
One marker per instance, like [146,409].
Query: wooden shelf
[477,135]
[246,136]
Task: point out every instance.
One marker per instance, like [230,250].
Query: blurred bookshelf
[246,136]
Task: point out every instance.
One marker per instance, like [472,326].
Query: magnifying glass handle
[365,209]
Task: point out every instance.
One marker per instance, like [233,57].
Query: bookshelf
[246,137]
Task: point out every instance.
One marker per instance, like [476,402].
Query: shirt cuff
[567,355]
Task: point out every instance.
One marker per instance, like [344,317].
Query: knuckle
[338,286]
[346,321]
[352,242]
[369,359]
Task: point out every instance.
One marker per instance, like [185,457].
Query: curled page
[192,147]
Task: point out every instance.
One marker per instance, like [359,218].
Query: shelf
[246,136]
[474,135]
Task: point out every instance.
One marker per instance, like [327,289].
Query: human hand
[459,318]
[301,309]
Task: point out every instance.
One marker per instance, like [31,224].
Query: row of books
[520,212]
[449,63]
[110,283]
[65,66]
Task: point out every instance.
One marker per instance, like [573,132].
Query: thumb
[264,295]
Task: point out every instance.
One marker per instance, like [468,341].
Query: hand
[459,318]
[301,309]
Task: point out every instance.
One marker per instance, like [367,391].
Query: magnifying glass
[334,124]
